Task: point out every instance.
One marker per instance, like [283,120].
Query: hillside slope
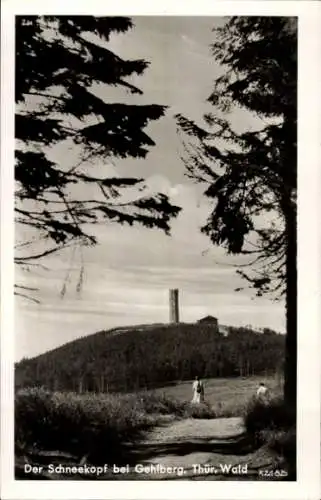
[145,356]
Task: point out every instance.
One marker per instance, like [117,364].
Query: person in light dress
[198,391]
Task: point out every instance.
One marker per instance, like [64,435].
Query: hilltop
[146,356]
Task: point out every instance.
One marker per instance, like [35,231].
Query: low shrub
[270,414]
[91,424]
[284,444]
[273,424]
[153,403]
[202,410]
[78,424]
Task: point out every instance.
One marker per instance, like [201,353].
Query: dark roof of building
[208,319]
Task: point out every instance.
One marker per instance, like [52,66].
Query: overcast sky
[127,276]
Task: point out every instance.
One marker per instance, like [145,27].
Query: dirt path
[214,449]
[191,449]
[195,429]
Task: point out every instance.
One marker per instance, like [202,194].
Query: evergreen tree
[251,176]
[60,63]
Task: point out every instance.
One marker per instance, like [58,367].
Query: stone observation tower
[173,306]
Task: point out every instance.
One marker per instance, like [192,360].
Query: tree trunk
[289,211]
[290,371]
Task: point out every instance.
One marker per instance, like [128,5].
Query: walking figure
[198,391]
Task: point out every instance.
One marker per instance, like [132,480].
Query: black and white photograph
[155,248]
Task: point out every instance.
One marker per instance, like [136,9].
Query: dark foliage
[116,361]
[273,423]
[284,444]
[270,415]
[81,426]
[96,427]
[60,64]
[251,177]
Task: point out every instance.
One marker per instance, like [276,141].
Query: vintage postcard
[160,250]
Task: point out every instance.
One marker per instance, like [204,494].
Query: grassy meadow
[228,397]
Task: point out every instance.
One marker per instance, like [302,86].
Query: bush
[33,417]
[270,414]
[153,403]
[77,424]
[91,424]
[202,410]
[273,424]
[283,442]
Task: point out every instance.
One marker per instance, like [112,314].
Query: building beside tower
[210,322]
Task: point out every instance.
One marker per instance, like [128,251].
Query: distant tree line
[132,360]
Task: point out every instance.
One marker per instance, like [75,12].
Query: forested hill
[131,358]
